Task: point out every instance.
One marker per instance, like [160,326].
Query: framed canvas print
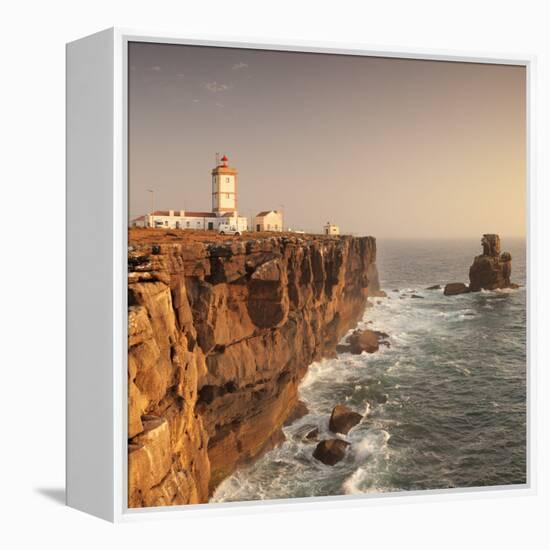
[297,275]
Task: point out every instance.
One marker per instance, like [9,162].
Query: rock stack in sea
[490,270]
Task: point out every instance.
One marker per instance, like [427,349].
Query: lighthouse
[223,217]
[224,188]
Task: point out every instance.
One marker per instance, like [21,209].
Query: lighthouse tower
[224,188]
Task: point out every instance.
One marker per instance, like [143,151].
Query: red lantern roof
[224,159]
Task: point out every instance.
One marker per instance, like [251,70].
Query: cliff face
[492,269]
[220,335]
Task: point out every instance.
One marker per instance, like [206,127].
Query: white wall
[240,223]
[225,188]
[33,350]
[187,222]
[270,222]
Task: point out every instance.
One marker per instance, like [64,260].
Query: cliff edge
[220,333]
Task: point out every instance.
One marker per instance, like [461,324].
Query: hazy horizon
[392,148]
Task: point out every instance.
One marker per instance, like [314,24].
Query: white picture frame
[97,222]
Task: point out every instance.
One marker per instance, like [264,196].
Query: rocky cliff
[220,333]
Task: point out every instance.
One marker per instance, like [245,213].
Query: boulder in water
[434,287]
[343,419]
[330,451]
[451,289]
[363,340]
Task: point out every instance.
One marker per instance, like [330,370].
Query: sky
[394,148]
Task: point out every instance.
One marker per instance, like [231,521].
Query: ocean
[453,381]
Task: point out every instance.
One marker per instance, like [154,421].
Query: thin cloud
[216,87]
[240,65]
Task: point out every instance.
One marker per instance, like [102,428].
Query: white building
[224,207]
[331,229]
[269,220]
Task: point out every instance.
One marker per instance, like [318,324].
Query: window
[188,224]
[166,223]
[228,196]
[227,180]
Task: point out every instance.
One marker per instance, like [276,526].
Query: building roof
[200,215]
[176,214]
[224,170]
[265,213]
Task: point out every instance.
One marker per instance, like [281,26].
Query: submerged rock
[312,435]
[379,398]
[342,419]
[330,451]
[451,289]
[434,287]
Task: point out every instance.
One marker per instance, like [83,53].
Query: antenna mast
[217,159]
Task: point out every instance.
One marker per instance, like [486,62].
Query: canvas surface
[311,310]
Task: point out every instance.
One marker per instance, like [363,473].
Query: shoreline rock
[343,419]
[363,340]
[330,451]
[300,410]
[452,289]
